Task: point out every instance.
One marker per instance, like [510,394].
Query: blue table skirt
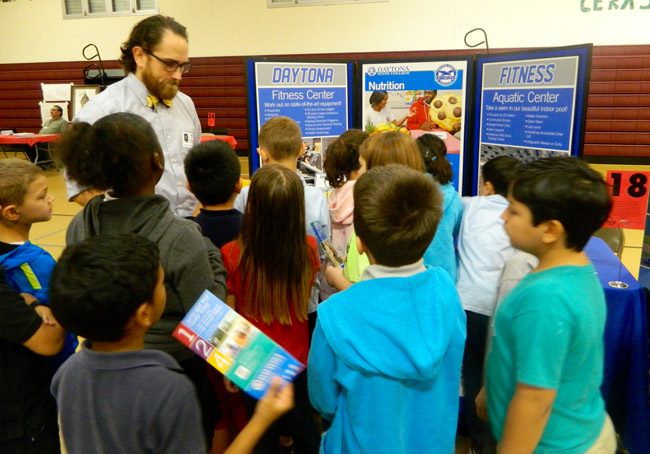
[625,382]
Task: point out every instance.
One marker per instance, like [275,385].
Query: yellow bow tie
[152,101]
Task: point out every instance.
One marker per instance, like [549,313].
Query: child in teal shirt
[545,363]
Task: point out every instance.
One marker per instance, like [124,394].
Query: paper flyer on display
[234,346]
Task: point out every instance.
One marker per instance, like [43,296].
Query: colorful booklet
[325,245]
[234,346]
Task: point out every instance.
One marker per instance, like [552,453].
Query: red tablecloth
[230,140]
[28,139]
[33,139]
[452,143]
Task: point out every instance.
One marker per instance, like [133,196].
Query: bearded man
[155,57]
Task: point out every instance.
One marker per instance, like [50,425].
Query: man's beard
[166,89]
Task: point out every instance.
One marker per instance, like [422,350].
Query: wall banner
[530,105]
[424,97]
[316,95]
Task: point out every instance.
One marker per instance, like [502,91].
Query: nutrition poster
[419,97]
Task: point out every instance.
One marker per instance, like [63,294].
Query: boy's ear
[144,315]
[488,188]
[552,231]
[363,249]
[9,212]
[361,246]
[264,154]
[158,161]
[303,147]
[238,186]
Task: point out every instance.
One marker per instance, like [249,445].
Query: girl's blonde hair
[392,148]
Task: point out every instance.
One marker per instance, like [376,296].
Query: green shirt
[548,333]
[53,126]
[355,263]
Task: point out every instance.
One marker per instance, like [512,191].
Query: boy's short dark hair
[212,170]
[501,171]
[567,190]
[396,213]
[281,138]
[98,284]
[15,177]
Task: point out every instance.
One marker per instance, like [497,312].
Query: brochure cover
[325,245]
[234,346]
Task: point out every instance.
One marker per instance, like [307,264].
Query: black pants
[298,422]
[43,438]
[195,369]
[42,153]
[473,361]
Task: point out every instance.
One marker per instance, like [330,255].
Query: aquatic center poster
[530,105]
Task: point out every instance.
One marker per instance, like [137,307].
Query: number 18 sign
[629,190]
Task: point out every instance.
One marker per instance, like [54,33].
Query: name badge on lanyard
[188,139]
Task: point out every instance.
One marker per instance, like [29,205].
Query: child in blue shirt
[483,250]
[24,200]
[434,154]
[545,363]
[384,364]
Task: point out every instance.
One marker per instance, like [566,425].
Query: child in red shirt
[271,268]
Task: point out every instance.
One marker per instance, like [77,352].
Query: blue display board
[530,104]
[425,96]
[317,95]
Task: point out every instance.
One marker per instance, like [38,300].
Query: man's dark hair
[147,34]
[566,190]
[98,284]
[501,171]
[396,213]
[212,170]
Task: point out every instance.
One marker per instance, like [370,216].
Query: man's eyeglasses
[171,66]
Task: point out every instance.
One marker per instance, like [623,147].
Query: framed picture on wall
[81,94]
